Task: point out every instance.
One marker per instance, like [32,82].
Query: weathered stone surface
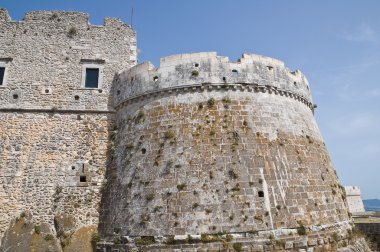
[221,155]
[205,145]
[24,235]
[53,131]
[80,240]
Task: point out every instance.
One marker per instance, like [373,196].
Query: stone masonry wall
[54,132]
[354,199]
[238,156]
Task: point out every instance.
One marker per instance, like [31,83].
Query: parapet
[207,68]
[352,190]
[78,18]
[4,16]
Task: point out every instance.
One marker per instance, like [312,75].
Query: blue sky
[335,43]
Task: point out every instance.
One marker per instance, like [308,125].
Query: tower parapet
[186,72]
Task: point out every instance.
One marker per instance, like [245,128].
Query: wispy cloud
[361,33]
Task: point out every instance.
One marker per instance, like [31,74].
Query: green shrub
[170,239]
[117,240]
[238,246]
[205,238]
[73,31]
[194,73]
[168,134]
[129,146]
[139,116]
[211,102]
[301,230]
[229,238]
[180,187]
[95,237]
[49,237]
[37,229]
[150,196]
[145,241]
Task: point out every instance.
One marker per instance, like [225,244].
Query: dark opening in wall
[2,71]
[143,150]
[72,167]
[15,96]
[155,78]
[196,65]
[76,97]
[92,78]
[270,67]
[118,92]
[224,78]
[261,194]
[82,178]
[235,71]
[47,91]
[100,91]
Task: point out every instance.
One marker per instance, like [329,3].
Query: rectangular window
[92,78]
[2,72]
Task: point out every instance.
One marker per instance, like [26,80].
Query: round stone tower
[209,153]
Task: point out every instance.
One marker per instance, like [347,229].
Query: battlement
[352,190]
[207,68]
[64,17]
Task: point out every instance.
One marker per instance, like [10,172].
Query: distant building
[354,199]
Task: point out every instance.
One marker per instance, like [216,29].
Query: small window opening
[143,150]
[100,91]
[15,96]
[2,72]
[76,97]
[82,178]
[72,167]
[261,194]
[118,92]
[155,78]
[224,78]
[235,71]
[92,78]
[46,91]
[295,84]
[270,67]
[196,65]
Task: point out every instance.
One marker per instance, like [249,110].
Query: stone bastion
[213,154]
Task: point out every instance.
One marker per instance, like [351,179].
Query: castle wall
[199,155]
[54,131]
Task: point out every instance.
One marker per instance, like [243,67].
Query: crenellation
[4,16]
[208,68]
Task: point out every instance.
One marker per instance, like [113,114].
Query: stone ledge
[250,87]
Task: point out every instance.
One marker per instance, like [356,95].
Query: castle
[199,154]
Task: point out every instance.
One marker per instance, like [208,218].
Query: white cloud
[361,33]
